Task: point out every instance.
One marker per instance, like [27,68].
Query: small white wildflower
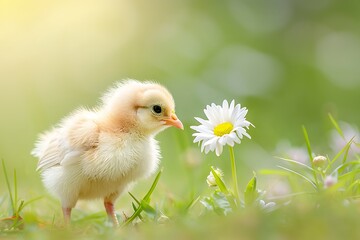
[266,206]
[319,161]
[210,180]
[330,181]
[226,125]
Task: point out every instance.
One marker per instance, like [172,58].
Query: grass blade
[192,203]
[348,144]
[308,146]
[144,202]
[273,172]
[148,209]
[336,125]
[300,175]
[16,196]
[347,150]
[307,141]
[135,209]
[135,215]
[137,201]
[354,184]
[349,174]
[9,188]
[22,206]
[296,162]
[153,186]
[342,167]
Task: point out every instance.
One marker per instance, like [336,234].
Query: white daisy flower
[226,125]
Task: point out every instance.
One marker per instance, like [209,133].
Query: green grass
[317,211]
[289,62]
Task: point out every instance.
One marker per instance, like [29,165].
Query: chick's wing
[66,144]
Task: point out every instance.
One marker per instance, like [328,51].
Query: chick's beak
[174,121]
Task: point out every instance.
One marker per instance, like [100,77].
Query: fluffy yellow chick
[99,153]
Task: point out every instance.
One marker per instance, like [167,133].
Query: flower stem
[234,176]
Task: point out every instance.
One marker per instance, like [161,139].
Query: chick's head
[156,109]
[145,106]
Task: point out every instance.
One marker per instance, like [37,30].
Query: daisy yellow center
[223,128]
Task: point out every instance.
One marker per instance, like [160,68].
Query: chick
[99,153]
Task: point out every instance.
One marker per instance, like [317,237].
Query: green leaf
[207,203]
[223,188]
[222,205]
[218,203]
[219,182]
[250,193]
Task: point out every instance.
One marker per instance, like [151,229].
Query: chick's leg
[110,210]
[67,215]
[109,207]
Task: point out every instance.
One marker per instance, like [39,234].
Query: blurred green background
[289,61]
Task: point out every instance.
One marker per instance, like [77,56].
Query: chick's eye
[157,109]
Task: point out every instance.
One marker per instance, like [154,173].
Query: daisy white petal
[225,111]
[201,128]
[234,137]
[219,149]
[204,122]
[207,150]
[223,140]
[235,111]
[210,142]
[231,108]
[226,124]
